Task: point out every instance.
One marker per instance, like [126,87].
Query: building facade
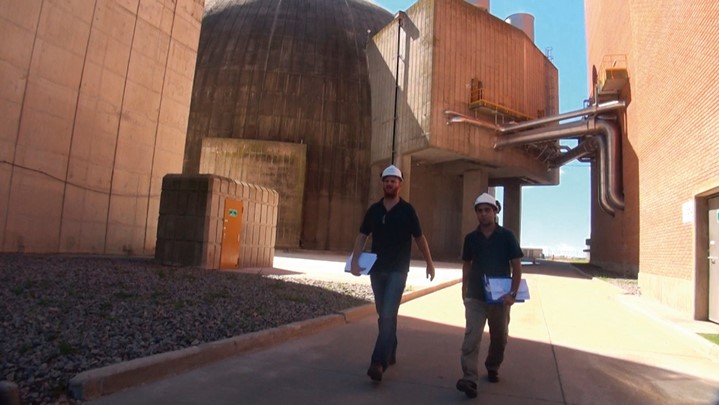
[668,231]
[94,99]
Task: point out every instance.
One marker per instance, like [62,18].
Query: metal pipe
[543,134]
[585,148]
[613,166]
[591,110]
[608,140]
[399,17]
[602,194]
[609,150]
[455,117]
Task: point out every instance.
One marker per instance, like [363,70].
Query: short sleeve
[467,248]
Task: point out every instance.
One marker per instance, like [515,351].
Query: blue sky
[555,218]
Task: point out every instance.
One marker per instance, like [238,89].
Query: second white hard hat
[392,170]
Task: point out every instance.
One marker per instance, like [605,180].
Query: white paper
[366,261]
[499,287]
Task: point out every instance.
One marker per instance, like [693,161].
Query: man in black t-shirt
[489,251]
[393,223]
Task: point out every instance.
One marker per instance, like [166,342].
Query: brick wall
[672,133]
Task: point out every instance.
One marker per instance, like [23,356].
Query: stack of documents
[496,288]
[366,261]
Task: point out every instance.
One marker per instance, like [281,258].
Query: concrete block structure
[669,230]
[292,72]
[451,55]
[280,164]
[94,99]
[192,221]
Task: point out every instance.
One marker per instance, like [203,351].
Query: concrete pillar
[475,182]
[512,208]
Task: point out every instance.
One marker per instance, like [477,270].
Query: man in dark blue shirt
[393,223]
[489,251]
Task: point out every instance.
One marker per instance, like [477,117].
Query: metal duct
[612,165]
[607,139]
[609,153]
[592,110]
[455,117]
[552,133]
[585,148]
[603,193]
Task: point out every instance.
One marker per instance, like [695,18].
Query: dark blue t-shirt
[392,232]
[489,256]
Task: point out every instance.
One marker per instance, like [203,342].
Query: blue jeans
[387,288]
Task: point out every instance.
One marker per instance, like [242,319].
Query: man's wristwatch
[513,294]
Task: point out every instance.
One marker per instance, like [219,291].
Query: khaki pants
[478,313]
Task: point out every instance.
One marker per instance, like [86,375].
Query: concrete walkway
[576,341]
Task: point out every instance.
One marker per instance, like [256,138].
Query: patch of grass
[66,348]
[123,295]
[21,289]
[297,298]
[714,338]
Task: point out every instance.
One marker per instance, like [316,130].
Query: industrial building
[309,100]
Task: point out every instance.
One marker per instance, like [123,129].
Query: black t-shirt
[392,232]
[489,256]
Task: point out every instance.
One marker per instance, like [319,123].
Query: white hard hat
[485,198]
[392,170]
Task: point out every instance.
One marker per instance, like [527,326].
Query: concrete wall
[606,230]
[670,150]
[277,165]
[94,99]
[293,71]
[444,45]
[191,219]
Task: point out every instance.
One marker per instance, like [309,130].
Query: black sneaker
[493,376]
[375,372]
[468,387]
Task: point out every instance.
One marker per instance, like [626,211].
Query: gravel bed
[62,315]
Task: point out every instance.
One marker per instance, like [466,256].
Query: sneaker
[468,387]
[493,376]
[375,372]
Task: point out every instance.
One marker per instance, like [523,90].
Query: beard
[390,192]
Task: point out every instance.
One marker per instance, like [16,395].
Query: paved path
[576,341]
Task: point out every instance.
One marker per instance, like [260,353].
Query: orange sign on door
[231,228]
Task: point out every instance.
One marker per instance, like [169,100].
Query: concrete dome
[293,71]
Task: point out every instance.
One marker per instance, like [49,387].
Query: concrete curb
[92,384]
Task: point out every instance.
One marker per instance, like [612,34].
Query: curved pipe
[612,165]
[455,117]
[608,150]
[543,134]
[603,192]
[593,110]
[585,148]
